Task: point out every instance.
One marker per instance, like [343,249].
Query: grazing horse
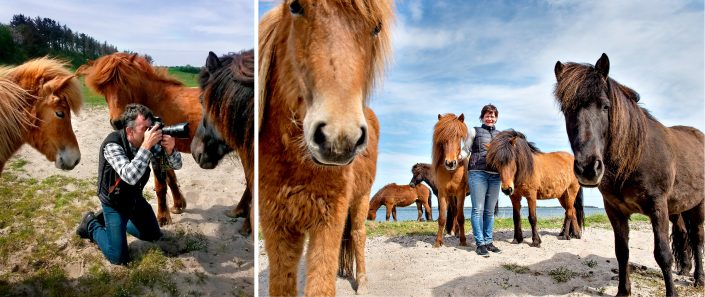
[393,195]
[36,100]
[525,171]
[421,172]
[319,61]
[450,173]
[128,78]
[228,118]
[638,164]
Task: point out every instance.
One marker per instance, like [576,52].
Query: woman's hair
[489,108]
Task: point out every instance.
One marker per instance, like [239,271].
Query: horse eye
[605,107]
[377,29]
[60,114]
[296,8]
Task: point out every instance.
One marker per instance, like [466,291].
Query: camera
[179,130]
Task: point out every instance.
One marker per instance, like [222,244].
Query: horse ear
[461,118]
[212,63]
[133,57]
[513,141]
[439,116]
[558,69]
[54,85]
[603,65]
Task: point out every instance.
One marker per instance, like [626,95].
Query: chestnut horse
[319,61]
[421,172]
[638,164]
[228,110]
[525,171]
[128,78]
[36,100]
[393,195]
[450,173]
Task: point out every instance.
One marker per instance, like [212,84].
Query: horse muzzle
[67,159]
[451,165]
[508,191]
[590,173]
[338,150]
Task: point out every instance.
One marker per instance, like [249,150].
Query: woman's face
[489,119]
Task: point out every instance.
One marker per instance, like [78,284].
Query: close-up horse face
[587,124]
[506,176]
[207,146]
[332,50]
[52,133]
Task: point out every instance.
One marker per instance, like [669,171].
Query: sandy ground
[228,262]
[410,266]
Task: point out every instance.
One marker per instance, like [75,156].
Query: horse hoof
[535,244]
[463,244]
[177,210]
[437,244]
[164,220]
[361,286]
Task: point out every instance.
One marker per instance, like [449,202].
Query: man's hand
[151,137]
[168,144]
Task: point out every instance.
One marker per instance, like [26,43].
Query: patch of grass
[189,79]
[516,268]
[17,164]
[196,242]
[590,263]
[561,274]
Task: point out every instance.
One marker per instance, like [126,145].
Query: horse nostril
[318,137]
[577,169]
[363,137]
[598,166]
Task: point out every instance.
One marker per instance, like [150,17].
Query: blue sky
[456,56]
[172,32]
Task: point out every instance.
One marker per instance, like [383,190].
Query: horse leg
[679,244]
[284,250]
[394,213]
[442,208]
[662,252]
[389,211]
[323,250]
[163,216]
[620,228]
[429,213]
[419,211]
[358,214]
[461,220]
[535,239]
[179,200]
[694,222]
[516,215]
[566,229]
[241,209]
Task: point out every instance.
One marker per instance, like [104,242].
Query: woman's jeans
[484,193]
[139,222]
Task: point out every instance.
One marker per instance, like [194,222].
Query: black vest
[124,195]
[483,136]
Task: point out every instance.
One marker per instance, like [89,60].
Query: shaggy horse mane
[448,128]
[578,85]
[512,146]
[14,116]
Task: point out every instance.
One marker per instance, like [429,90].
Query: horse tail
[682,252]
[347,252]
[579,211]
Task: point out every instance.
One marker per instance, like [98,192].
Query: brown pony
[450,172]
[422,172]
[639,166]
[228,110]
[525,171]
[393,195]
[36,100]
[128,78]
[318,64]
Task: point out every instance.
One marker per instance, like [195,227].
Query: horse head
[511,155]
[207,146]
[448,134]
[332,52]
[595,109]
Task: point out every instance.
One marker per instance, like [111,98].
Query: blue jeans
[139,222]
[484,193]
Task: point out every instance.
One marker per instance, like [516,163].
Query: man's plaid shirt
[131,171]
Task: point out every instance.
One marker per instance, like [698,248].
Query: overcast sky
[456,56]
[172,32]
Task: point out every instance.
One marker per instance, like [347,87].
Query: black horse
[639,166]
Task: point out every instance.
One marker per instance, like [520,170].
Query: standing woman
[484,182]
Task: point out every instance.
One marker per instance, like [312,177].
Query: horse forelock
[512,146]
[32,74]
[447,129]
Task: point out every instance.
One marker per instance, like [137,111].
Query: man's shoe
[490,247]
[482,251]
[82,229]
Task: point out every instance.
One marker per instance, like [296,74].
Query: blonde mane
[14,116]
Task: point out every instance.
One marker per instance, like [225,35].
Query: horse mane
[125,71]
[421,169]
[272,31]
[228,95]
[448,128]
[14,116]
[627,120]
[511,146]
[34,73]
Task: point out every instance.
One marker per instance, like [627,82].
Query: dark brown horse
[525,171]
[639,165]
[393,195]
[450,173]
[318,63]
[36,100]
[421,172]
[227,85]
